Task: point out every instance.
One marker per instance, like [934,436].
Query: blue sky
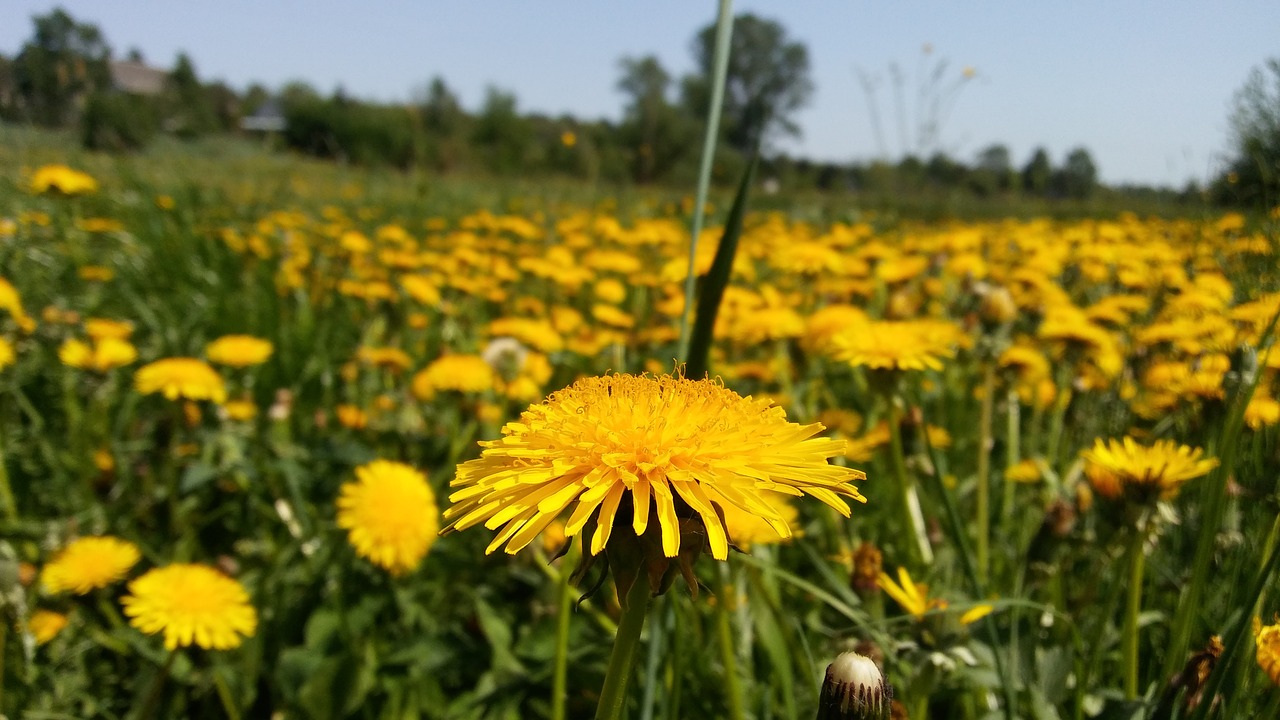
[1145,86]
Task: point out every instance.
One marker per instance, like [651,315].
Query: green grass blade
[713,285]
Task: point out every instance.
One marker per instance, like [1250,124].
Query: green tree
[654,132]
[501,135]
[1253,172]
[58,67]
[1078,177]
[1037,173]
[189,110]
[767,80]
[993,171]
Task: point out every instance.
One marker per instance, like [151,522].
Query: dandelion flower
[62,179]
[105,354]
[181,378]
[7,355]
[239,350]
[390,514]
[89,563]
[193,605]
[461,373]
[1267,638]
[1115,467]
[686,445]
[910,596]
[897,345]
[44,625]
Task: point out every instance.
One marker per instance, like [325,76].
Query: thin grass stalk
[919,549]
[724,32]
[1013,456]
[985,443]
[724,629]
[626,645]
[653,662]
[954,526]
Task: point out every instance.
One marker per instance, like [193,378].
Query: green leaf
[717,279]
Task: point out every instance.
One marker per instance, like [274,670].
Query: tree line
[63,77]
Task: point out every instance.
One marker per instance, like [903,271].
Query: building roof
[137,78]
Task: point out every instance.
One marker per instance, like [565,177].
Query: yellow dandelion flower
[89,563]
[1115,467]
[1267,638]
[181,378]
[390,514]
[62,179]
[460,373]
[242,410]
[351,416]
[105,354]
[7,355]
[389,358]
[239,350]
[746,529]
[44,625]
[911,596]
[898,345]
[192,605]
[103,328]
[687,445]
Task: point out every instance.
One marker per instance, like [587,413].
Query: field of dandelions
[235,390]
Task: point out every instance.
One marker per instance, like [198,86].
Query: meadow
[236,387]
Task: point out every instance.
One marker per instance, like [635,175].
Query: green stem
[148,709]
[1129,642]
[920,551]
[7,502]
[724,32]
[1013,455]
[1272,708]
[560,673]
[724,628]
[626,645]
[225,696]
[984,470]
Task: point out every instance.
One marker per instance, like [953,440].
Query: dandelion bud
[854,689]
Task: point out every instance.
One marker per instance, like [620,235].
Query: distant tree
[501,135]
[58,67]
[1078,176]
[993,171]
[1037,173]
[653,131]
[189,110]
[442,114]
[942,171]
[767,81]
[1252,175]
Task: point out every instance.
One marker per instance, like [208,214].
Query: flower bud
[854,689]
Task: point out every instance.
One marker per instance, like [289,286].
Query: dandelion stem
[626,645]
[920,551]
[1137,567]
[560,673]
[724,628]
[148,709]
[1013,455]
[984,471]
